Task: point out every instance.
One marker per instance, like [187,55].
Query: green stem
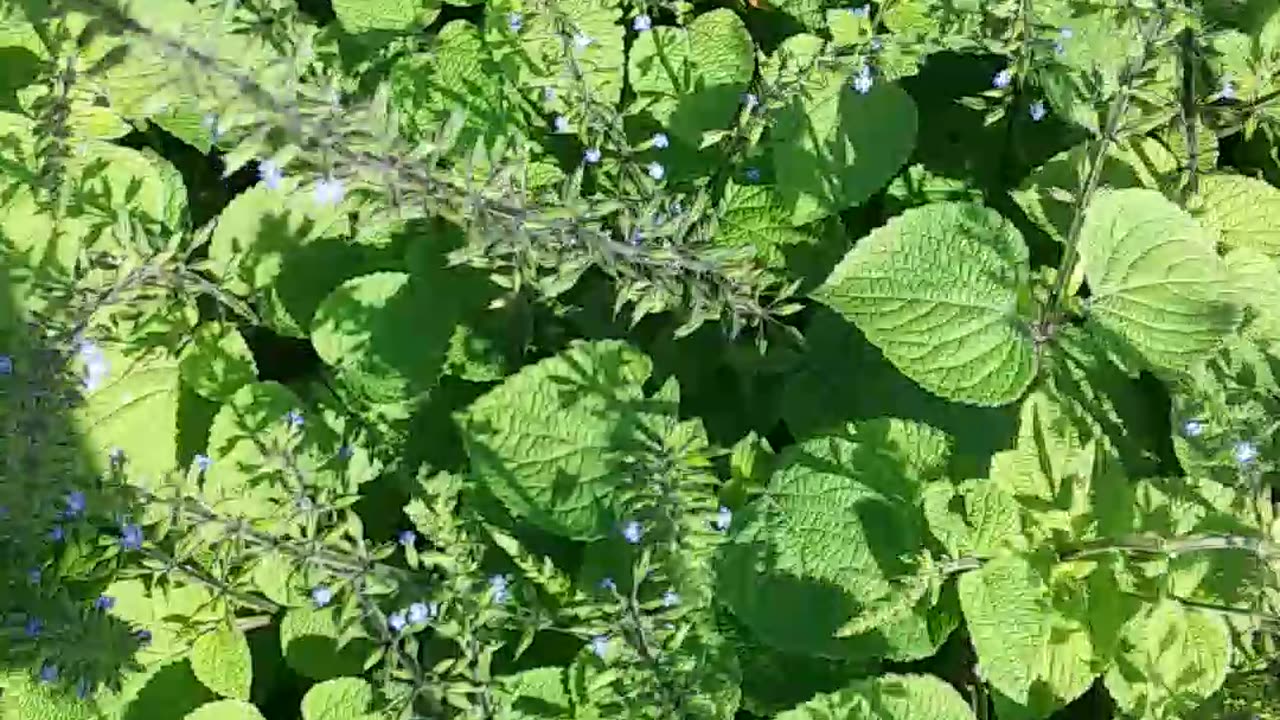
[1190,111]
[1149,545]
[1115,114]
[1259,617]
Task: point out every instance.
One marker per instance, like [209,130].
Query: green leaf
[226,710]
[843,377]
[754,216]
[537,694]
[291,252]
[359,16]
[1155,279]
[1065,478]
[102,181]
[690,80]
[938,290]
[222,662]
[1006,608]
[551,441]
[26,699]
[162,612]
[887,697]
[833,147]
[249,441]
[830,537]
[1256,279]
[1048,195]
[135,409]
[1241,212]
[1173,659]
[162,689]
[1087,610]
[346,698]
[217,362]
[309,643]
[977,517]
[377,332]
[534,57]
[457,73]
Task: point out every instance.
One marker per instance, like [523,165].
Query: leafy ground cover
[639,359]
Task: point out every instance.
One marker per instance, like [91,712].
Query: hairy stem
[1097,160]
[1190,111]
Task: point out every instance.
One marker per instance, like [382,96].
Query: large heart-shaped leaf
[1156,281]
[387,333]
[830,538]
[938,290]
[550,441]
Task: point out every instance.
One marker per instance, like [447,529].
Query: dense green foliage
[639,359]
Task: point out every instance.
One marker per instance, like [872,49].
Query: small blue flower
[143,637]
[863,12]
[876,44]
[600,646]
[1066,33]
[346,452]
[6,365]
[753,174]
[1002,79]
[202,462]
[1245,452]
[396,620]
[561,124]
[271,174]
[862,82]
[724,518]
[104,602]
[632,532]
[407,538]
[592,155]
[76,503]
[670,598]
[419,613]
[750,100]
[1037,111]
[82,688]
[641,23]
[498,589]
[661,141]
[515,21]
[48,673]
[294,419]
[321,596]
[609,585]
[34,626]
[329,191]
[1228,91]
[116,456]
[56,533]
[34,575]
[1193,428]
[656,171]
[582,40]
[131,537]
[548,94]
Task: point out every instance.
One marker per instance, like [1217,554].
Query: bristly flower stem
[1097,161]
